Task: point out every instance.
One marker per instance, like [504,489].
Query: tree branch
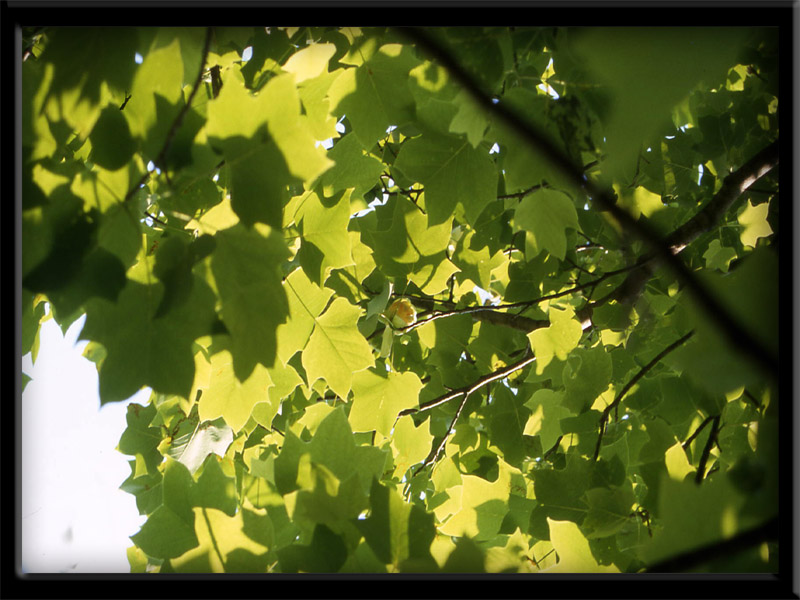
[715,551]
[159,160]
[697,432]
[469,389]
[715,311]
[642,372]
[492,314]
[734,185]
[706,219]
[433,456]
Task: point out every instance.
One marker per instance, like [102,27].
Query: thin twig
[516,321]
[697,431]
[553,448]
[466,390]
[433,456]
[712,438]
[642,372]
[159,160]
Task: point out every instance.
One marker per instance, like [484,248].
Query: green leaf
[718,256]
[547,410]
[230,398]
[708,357]
[411,247]
[574,553]
[753,219]
[156,96]
[557,340]
[325,554]
[648,72]
[375,95]
[378,398]
[336,349]
[265,144]
[453,173]
[466,557]
[484,505]
[245,267]
[411,443]
[309,62]
[143,350]
[223,545]
[545,215]
[140,439]
[506,422]
[561,492]
[469,119]
[215,489]
[398,533]
[208,437]
[165,534]
[710,511]
[609,510]
[112,144]
[306,303]
[586,375]
[333,447]
[326,242]
[83,59]
[354,168]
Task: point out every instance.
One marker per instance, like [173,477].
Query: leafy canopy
[236,212]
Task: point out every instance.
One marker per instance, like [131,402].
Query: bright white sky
[74,516]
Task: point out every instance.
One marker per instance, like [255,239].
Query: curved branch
[558,159]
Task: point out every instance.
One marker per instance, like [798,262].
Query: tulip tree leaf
[337,349]
[453,173]
[378,397]
[245,271]
[143,350]
[546,215]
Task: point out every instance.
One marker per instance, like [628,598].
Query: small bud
[401,313]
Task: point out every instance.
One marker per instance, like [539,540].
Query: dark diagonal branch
[705,220]
[715,312]
[642,372]
[719,550]
[173,130]
[733,186]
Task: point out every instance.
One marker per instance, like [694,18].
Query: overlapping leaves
[244,279]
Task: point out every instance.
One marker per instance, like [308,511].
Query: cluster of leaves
[234,225]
